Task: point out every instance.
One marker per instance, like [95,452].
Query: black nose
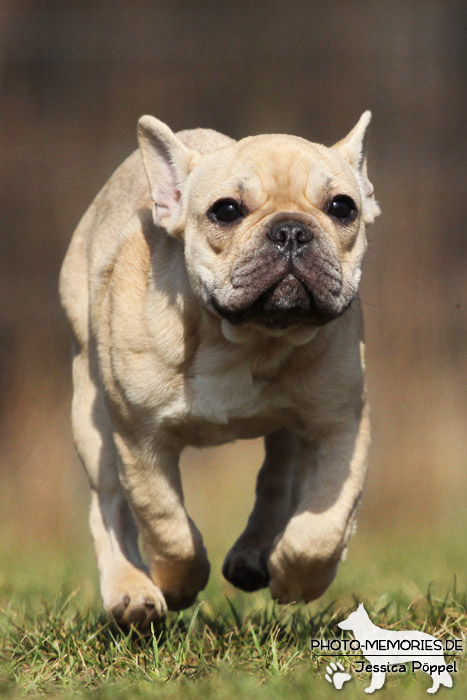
[289,235]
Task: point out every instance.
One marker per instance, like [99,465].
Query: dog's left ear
[353,148]
[167,162]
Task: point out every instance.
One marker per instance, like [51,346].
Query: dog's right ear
[167,162]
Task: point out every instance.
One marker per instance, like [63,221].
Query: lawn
[56,641]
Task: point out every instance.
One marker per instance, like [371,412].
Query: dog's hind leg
[245,565]
[438,679]
[127,591]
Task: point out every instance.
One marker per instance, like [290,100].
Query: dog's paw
[181,579]
[133,599]
[139,609]
[336,675]
[301,565]
[246,568]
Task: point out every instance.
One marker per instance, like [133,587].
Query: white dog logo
[387,650]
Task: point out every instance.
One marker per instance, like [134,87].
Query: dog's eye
[226,210]
[343,207]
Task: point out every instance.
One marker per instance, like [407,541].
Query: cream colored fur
[155,368]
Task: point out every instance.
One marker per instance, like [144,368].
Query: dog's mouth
[287,302]
[279,288]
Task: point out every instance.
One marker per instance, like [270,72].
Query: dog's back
[100,234]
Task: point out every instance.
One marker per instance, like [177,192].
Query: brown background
[74,78]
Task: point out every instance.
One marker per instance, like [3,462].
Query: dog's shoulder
[95,243]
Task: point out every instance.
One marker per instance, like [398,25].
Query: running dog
[212,292]
[421,650]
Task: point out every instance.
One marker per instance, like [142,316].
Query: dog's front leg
[306,554]
[377,681]
[176,556]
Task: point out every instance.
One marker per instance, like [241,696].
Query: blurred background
[75,77]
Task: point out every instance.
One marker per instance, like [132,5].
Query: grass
[56,641]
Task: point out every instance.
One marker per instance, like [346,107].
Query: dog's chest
[226,389]
[221,398]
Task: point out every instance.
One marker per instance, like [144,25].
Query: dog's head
[273,226]
[358,618]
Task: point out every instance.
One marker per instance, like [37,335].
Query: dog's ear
[353,148]
[167,162]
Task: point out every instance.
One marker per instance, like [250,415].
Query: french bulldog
[212,293]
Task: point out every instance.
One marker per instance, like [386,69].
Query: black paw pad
[246,575]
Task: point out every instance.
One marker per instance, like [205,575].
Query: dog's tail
[445,679]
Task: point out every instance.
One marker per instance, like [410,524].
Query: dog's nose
[289,235]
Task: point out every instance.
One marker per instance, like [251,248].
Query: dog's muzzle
[293,279]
